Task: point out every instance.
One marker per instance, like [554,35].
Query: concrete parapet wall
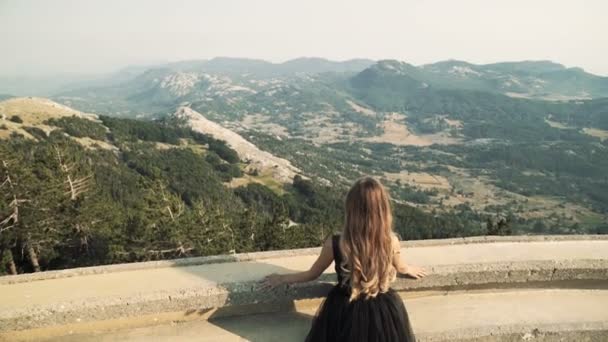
[202,285]
[242,257]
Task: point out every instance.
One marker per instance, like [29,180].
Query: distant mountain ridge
[531,79]
[541,79]
[231,65]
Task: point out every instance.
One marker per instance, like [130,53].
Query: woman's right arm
[321,264]
[400,265]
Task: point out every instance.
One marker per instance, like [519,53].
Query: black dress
[379,319]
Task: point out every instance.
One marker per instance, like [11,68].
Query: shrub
[78,127]
[16,118]
[36,132]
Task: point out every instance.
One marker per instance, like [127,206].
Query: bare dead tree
[227,228]
[83,236]
[178,251]
[32,255]
[12,268]
[168,204]
[12,219]
[76,186]
[173,214]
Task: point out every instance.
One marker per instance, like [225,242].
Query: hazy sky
[97,36]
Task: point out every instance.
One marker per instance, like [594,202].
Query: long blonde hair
[366,242]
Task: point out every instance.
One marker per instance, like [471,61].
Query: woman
[362,306]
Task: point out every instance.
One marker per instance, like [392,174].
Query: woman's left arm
[320,265]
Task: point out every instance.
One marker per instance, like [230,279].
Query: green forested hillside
[65,205]
[159,192]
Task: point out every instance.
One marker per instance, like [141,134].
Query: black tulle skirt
[379,319]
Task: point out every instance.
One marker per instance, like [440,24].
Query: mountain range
[537,79]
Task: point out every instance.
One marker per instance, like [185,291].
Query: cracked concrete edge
[225,299]
[579,331]
[240,257]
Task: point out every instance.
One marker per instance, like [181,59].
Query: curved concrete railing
[228,285]
[243,257]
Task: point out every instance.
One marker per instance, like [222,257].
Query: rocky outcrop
[280,169]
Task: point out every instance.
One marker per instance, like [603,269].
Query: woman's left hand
[271,281]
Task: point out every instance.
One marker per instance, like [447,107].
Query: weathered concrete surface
[521,315]
[128,291]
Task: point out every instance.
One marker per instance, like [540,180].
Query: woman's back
[381,318]
[361,307]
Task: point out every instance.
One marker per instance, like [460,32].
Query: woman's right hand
[415,272]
